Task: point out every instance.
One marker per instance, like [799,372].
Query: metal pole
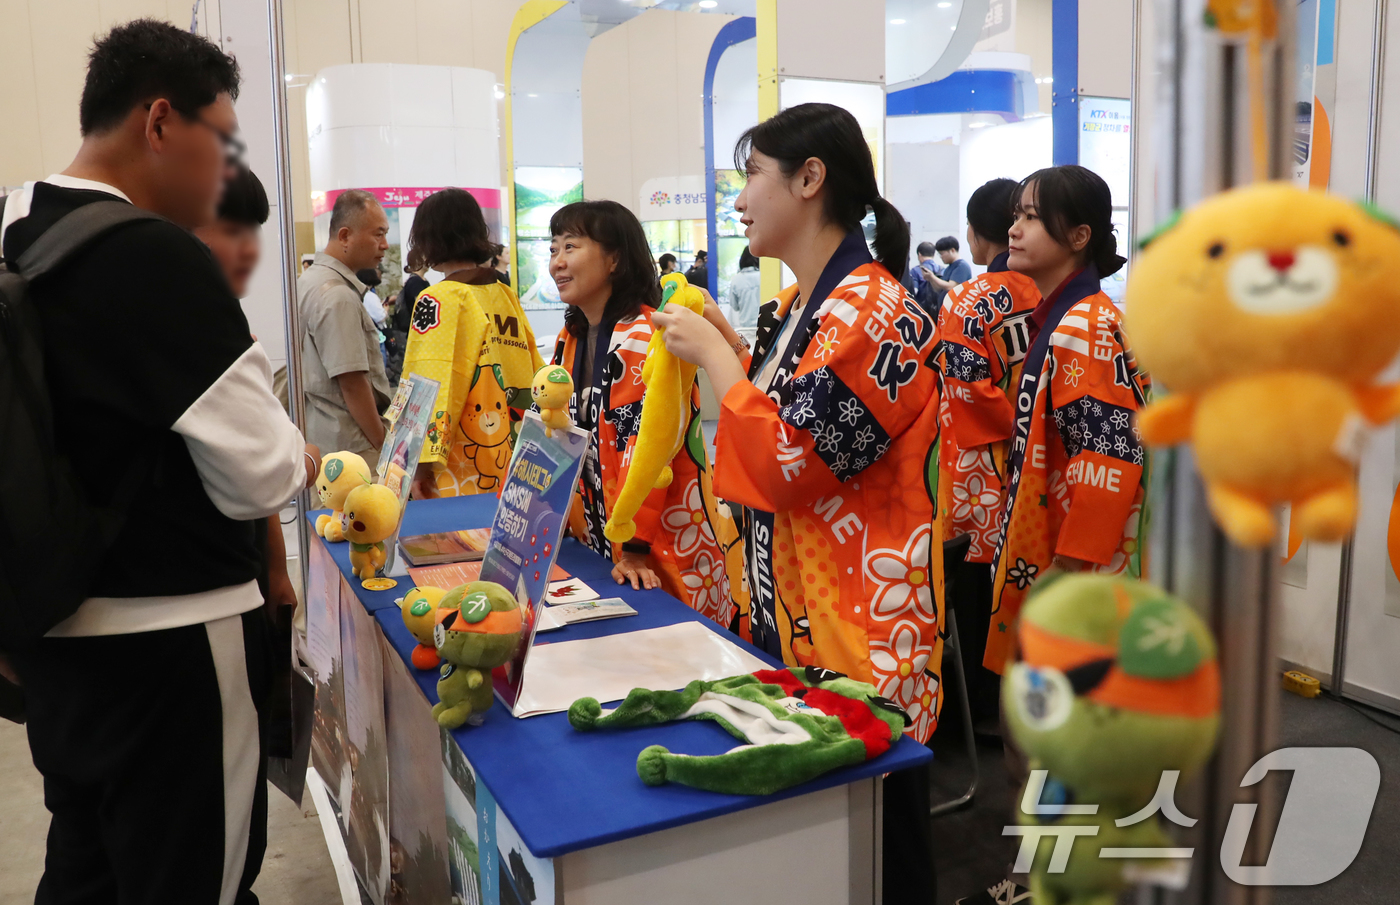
[1373,136]
[1203,146]
[291,316]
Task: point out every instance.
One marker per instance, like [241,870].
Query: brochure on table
[408,415]
[530,522]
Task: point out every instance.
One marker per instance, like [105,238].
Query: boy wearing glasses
[143,706]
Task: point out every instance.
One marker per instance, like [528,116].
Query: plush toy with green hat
[483,634]
[798,724]
[1116,683]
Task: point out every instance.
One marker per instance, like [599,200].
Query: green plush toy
[798,724]
[1116,683]
[483,634]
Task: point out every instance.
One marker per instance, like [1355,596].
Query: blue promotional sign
[530,521]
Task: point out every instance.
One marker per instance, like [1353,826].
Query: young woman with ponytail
[1078,470]
[828,437]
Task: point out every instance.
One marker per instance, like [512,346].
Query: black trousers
[969,600]
[151,746]
[907,864]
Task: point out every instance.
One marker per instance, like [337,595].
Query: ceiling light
[532,95]
[896,21]
[952,28]
[1048,80]
[500,95]
[708,4]
[944,5]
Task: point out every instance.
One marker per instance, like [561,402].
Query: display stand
[1203,145]
[564,811]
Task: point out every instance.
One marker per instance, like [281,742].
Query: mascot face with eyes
[1269,276]
[1267,312]
[1115,684]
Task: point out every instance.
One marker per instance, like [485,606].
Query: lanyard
[1074,290]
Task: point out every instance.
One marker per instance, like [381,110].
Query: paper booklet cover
[608,668]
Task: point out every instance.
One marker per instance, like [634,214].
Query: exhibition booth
[532,105]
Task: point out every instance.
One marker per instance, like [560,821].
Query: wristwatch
[740,346]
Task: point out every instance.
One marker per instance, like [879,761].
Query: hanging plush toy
[1116,683]
[422,610]
[665,416]
[371,514]
[797,725]
[341,472]
[1268,313]
[484,633]
[552,389]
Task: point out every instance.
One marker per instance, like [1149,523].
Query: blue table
[568,792]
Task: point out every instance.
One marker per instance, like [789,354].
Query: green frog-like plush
[1115,683]
[483,634]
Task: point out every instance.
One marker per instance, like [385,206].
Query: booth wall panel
[388,33]
[642,111]
[1105,48]
[923,184]
[21,146]
[735,99]
[842,40]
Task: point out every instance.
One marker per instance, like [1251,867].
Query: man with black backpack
[142,696]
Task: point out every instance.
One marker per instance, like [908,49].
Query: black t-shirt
[135,329]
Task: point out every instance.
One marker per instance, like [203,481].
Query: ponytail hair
[989,210]
[832,135]
[1069,196]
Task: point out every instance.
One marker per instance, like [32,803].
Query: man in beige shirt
[342,369]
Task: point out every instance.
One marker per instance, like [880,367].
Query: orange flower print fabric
[1078,472]
[695,546]
[835,465]
[984,326]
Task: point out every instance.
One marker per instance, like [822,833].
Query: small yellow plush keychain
[551,390]
[665,411]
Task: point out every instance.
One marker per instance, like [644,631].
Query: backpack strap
[74,231]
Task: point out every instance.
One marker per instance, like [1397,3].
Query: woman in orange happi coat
[830,439]
[686,541]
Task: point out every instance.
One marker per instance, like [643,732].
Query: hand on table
[635,569]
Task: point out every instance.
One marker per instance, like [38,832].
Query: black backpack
[53,538]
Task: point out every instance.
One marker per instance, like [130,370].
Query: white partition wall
[402,132]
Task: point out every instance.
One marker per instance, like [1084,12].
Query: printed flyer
[412,409]
[529,524]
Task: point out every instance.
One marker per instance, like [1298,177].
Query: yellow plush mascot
[341,472]
[371,515]
[1268,312]
[665,416]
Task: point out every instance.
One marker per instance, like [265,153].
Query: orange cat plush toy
[1268,312]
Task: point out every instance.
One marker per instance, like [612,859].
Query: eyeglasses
[234,149]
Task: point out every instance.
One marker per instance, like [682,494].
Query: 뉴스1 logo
[1320,828]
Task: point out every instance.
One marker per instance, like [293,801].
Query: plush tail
[750,770]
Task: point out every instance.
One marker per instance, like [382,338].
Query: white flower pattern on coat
[688,523]
[903,579]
